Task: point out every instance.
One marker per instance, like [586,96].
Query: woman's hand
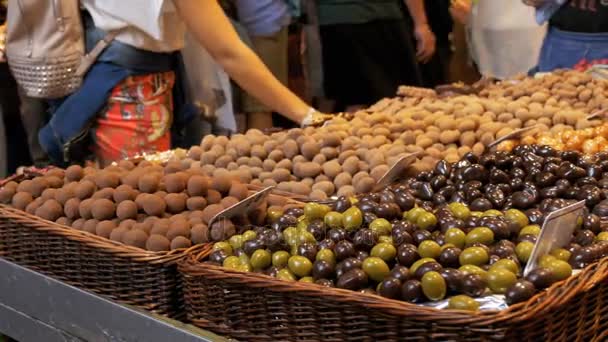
[208,23]
[2,43]
[461,10]
[425,38]
[534,3]
[315,118]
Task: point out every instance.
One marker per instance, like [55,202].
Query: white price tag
[243,207]
[556,232]
[396,171]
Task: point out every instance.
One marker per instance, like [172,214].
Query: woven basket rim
[137,254]
[543,301]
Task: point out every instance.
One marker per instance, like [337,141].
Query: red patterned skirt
[137,118]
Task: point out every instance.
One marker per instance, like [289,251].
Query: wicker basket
[249,306]
[129,275]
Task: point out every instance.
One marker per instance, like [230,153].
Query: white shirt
[505,38]
[152,25]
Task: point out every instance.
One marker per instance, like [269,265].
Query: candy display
[150,206]
[385,244]
[349,154]
[448,237]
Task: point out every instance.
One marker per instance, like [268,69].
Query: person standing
[436,71]
[577,31]
[367,49]
[130,95]
[266,22]
[505,39]
[13,150]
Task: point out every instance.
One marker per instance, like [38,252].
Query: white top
[152,25]
[505,38]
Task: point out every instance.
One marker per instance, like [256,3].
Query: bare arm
[424,36]
[208,23]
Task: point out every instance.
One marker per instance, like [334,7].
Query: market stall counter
[34,307]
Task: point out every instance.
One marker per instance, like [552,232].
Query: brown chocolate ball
[103,209]
[195,152]
[195,220]
[85,189]
[126,210]
[154,205]
[210,211]
[55,172]
[198,185]
[228,202]
[6,194]
[124,192]
[213,197]
[172,167]
[148,183]
[199,233]
[145,226]
[107,180]
[63,195]
[107,193]
[174,183]
[131,178]
[64,221]
[38,186]
[221,183]
[54,182]
[48,194]
[135,237]
[126,165]
[104,228]
[158,243]
[176,203]
[90,226]
[78,224]
[160,194]
[178,228]
[160,227]
[128,224]
[239,191]
[196,203]
[180,242]
[25,186]
[71,209]
[221,230]
[74,173]
[117,234]
[21,200]
[85,208]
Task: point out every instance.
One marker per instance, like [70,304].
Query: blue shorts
[563,49]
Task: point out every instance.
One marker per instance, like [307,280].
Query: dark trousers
[14,150]
[364,63]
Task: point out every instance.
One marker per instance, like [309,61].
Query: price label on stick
[396,171]
[556,232]
[516,134]
[243,207]
[600,114]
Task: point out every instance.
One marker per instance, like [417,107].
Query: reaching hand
[461,10]
[2,42]
[534,3]
[425,38]
[315,118]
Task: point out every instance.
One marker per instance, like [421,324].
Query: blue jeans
[563,49]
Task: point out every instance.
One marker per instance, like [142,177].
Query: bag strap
[90,58]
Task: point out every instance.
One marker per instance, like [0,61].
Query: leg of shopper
[16,151]
[3,166]
[273,52]
[137,118]
[34,116]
